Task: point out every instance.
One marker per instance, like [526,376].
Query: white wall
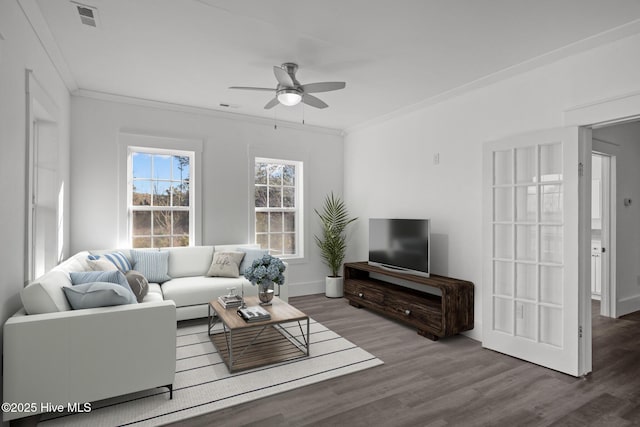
[627,139]
[390,169]
[19,50]
[226,170]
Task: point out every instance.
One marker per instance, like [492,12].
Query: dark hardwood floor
[452,382]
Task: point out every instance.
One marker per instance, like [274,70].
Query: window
[278,206]
[161,210]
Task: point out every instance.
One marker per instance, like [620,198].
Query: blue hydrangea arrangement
[266,270]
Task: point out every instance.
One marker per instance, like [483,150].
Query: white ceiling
[392,54]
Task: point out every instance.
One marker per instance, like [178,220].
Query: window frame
[298,209]
[131,150]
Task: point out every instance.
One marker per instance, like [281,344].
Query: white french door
[531,293]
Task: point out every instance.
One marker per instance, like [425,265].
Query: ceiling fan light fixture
[289,97]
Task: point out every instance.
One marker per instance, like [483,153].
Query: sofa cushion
[45,295]
[190,261]
[98,294]
[115,276]
[154,293]
[200,289]
[138,283]
[118,259]
[226,264]
[251,254]
[154,265]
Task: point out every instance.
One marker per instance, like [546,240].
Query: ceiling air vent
[88,14]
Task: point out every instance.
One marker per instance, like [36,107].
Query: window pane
[289,221]
[141,195]
[161,222]
[161,242]
[275,222]
[262,240]
[526,165]
[180,241]
[181,168]
[161,167]
[141,164]
[289,243]
[180,223]
[141,242]
[289,175]
[275,197]
[289,197]
[141,223]
[161,194]
[275,244]
[261,173]
[261,197]
[502,167]
[275,174]
[261,222]
[180,193]
[551,162]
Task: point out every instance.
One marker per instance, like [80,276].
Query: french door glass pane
[551,284]
[550,333]
[526,320]
[503,241]
[550,162]
[526,203]
[526,242]
[503,314]
[503,208]
[551,203]
[502,167]
[526,281]
[526,165]
[551,246]
[503,278]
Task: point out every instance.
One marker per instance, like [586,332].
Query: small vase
[265,293]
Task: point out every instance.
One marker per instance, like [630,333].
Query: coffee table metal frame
[278,318]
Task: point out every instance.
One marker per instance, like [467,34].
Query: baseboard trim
[628,305]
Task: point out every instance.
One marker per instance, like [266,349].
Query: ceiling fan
[290,92]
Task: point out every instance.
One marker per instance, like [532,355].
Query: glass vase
[265,293]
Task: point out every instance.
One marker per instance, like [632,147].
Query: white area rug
[203,383]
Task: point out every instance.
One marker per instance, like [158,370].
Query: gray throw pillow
[97,294]
[138,283]
[154,265]
[226,264]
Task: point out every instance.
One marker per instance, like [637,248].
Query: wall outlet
[436,159]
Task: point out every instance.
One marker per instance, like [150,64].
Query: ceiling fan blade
[322,87]
[252,88]
[313,101]
[271,104]
[283,77]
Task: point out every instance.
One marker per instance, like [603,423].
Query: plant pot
[333,287]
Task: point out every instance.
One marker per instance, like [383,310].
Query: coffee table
[244,345]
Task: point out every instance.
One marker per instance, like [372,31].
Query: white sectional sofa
[53,354]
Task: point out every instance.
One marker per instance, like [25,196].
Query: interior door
[533,254]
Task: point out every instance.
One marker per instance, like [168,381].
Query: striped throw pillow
[118,259]
[154,265]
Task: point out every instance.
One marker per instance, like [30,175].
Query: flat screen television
[401,245]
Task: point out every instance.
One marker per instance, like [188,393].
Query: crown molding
[161,105]
[42,31]
[623,31]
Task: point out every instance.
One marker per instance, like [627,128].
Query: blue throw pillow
[154,265]
[115,276]
[250,255]
[118,259]
[97,294]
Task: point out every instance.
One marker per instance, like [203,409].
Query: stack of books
[254,314]
[230,301]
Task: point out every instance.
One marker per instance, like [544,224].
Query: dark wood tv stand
[435,316]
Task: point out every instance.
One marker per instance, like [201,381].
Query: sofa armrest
[88,355]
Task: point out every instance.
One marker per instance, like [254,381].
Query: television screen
[401,244]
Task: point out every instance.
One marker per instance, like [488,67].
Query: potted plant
[333,242]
